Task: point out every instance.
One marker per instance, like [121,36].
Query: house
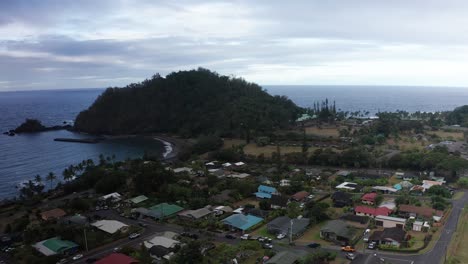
[219,210]
[285,182]
[278,201]
[350,186]
[343,173]
[113,197]
[371,212]
[116,258]
[384,189]
[110,226]
[389,236]
[284,257]
[163,210]
[282,225]
[389,221]
[182,169]
[239,164]
[238,175]
[265,192]
[159,252]
[342,199]
[355,218]
[227,164]
[53,214]
[55,245]
[338,231]
[241,222]
[138,199]
[417,225]
[405,185]
[198,214]
[417,190]
[406,210]
[300,196]
[428,184]
[160,240]
[368,198]
[220,173]
[75,220]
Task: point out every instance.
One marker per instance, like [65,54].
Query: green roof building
[138,199]
[55,245]
[164,210]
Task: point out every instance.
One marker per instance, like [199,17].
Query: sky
[60,44]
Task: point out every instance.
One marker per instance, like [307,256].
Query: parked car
[267,246]
[76,257]
[372,245]
[245,237]
[314,245]
[280,236]
[348,249]
[350,256]
[117,249]
[133,235]
[62,261]
[230,236]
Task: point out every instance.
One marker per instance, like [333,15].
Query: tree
[439,190]
[264,205]
[378,200]
[51,177]
[294,210]
[38,179]
[190,254]
[463,182]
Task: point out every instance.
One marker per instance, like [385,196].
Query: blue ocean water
[23,156]
[376,98]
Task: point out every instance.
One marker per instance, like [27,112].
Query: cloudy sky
[56,44]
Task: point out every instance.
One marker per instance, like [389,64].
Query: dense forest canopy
[188,103]
[459,116]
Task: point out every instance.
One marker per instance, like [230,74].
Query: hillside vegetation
[188,103]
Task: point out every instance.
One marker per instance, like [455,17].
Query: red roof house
[370,211]
[300,196]
[116,258]
[368,198]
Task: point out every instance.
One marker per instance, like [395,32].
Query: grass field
[407,143]
[253,149]
[457,248]
[323,132]
[455,135]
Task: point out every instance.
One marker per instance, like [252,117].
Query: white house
[114,197]
[389,221]
[110,226]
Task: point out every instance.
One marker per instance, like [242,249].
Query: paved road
[435,256]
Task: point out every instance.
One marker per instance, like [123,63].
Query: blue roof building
[242,222]
[398,186]
[265,192]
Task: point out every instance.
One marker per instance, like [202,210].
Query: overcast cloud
[56,44]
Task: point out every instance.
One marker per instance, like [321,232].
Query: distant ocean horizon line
[261,85]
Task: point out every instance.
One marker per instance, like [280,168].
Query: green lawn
[458,195]
[457,249]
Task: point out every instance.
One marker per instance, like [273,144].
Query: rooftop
[116,258]
[372,211]
[242,222]
[390,218]
[53,214]
[109,226]
[138,199]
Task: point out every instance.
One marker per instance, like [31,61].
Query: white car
[76,257]
[281,236]
[245,237]
[134,235]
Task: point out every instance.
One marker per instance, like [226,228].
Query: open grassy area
[458,195]
[323,132]
[312,235]
[447,135]
[253,149]
[407,143]
[245,201]
[457,248]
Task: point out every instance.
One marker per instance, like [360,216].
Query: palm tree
[38,179]
[51,177]
[67,174]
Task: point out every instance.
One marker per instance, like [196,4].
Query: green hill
[188,103]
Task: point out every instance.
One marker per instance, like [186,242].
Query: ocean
[376,98]
[24,156]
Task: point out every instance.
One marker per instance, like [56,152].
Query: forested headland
[188,103]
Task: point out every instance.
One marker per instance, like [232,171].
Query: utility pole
[86,240]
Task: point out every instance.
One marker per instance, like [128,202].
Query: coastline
[171,145]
